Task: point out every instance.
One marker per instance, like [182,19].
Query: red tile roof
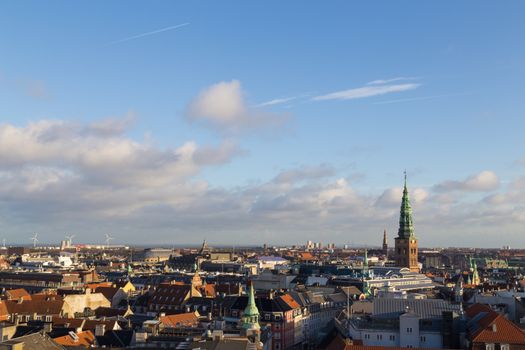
[487,326]
[15,294]
[84,339]
[40,307]
[4,314]
[287,298]
[189,319]
[172,294]
[494,328]
[208,290]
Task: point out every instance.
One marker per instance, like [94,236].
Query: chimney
[494,328]
[48,327]
[100,329]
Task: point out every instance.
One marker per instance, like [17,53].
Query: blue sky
[340,97]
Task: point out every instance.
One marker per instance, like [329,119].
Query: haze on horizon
[262,122]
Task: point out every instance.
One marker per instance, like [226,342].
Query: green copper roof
[406,225]
[251,308]
[250,317]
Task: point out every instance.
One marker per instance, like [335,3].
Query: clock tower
[406,242]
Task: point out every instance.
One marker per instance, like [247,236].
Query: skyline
[185,121]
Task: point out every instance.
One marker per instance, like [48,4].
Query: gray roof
[35,341]
[425,308]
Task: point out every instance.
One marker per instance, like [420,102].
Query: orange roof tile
[40,307]
[187,320]
[4,314]
[494,328]
[84,339]
[16,294]
[287,298]
[94,286]
[208,290]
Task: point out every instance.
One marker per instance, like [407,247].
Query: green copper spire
[406,225]
[250,317]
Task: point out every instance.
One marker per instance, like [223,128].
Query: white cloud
[63,177]
[100,152]
[392,196]
[278,101]
[366,91]
[392,80]
[222,106]
[484,181]
[305,173]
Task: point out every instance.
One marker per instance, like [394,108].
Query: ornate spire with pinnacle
[250,317]
[406,225]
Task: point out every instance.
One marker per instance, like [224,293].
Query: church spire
[406,225]
[385,243]
[250,317]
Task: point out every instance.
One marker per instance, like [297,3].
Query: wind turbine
[108,239]
[34,239]
[70,239]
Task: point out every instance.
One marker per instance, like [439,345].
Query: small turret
[385,244]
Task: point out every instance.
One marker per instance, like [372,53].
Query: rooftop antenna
[108,239]
[34,239]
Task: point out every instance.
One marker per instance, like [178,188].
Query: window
[379,337]
[409,330]
[392,337]
[423,338]
[267,317]
[489,346]
[505,347]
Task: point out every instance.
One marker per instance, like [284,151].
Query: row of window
[380,337]
[491,346]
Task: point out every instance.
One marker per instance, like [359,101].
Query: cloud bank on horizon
[91,178]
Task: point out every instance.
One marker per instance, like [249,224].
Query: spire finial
[405,172]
